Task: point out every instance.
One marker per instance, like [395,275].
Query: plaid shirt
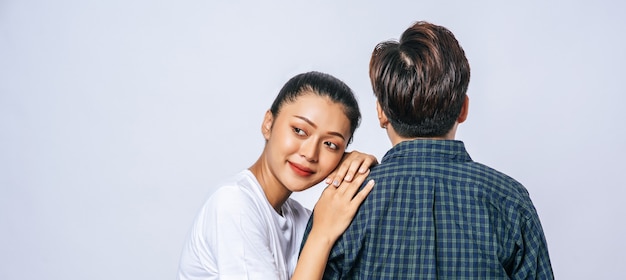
[436,214]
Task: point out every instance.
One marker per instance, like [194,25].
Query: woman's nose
[309,150]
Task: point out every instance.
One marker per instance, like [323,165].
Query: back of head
[420,81]
[324,85]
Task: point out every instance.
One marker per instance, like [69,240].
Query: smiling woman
[250,228]
[312,127]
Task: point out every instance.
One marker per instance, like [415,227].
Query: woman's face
[305,141]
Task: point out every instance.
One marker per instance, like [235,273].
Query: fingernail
[328,181]
[336,183]
[348,178]
[362,170]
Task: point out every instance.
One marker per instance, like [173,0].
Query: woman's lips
[301,170]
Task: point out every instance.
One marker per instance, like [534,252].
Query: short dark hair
[321,84]
[421,81]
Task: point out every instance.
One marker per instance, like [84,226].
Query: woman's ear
[464,111]
[266,127]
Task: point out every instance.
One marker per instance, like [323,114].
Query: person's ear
[464,111]
[382,118]
[266,127]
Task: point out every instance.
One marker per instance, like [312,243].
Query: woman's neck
[275,192]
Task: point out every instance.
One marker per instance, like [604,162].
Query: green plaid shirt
[436,214]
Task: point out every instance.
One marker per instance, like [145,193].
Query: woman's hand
[336,207]
[352,163]
[332,214]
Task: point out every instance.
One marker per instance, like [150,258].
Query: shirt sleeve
[533,260]
[229,240]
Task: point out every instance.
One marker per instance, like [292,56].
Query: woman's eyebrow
[315,126]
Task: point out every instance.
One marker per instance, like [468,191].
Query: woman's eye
[299,131]
[331,145]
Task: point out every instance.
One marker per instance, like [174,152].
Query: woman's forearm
[313,257]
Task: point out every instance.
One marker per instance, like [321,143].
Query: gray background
[117,118]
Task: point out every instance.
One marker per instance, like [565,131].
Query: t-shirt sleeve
[230,238]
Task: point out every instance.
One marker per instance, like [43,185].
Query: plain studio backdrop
[117,118]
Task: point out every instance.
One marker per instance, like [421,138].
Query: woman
[250,228]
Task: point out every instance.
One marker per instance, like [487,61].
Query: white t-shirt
[238,235]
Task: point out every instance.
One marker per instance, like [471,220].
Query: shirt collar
[429,148]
